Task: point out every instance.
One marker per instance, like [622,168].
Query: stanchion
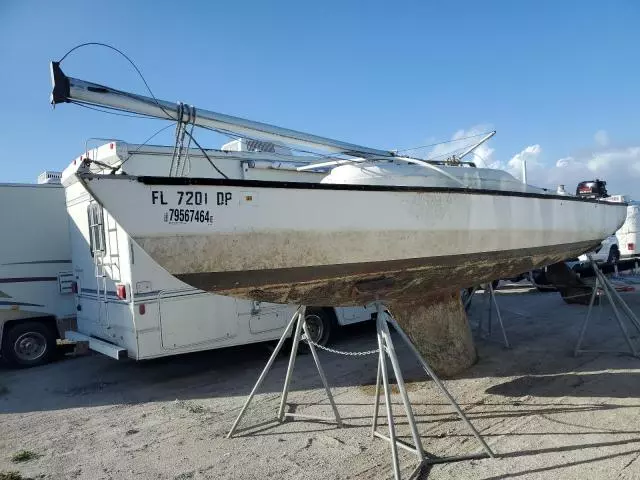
[298,320]
[492,303]
[387,349]
[608,291]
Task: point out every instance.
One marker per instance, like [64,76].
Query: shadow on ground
[541,327]
[606,384]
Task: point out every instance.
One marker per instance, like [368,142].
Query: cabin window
[96,229]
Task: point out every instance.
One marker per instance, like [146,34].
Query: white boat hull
[326,244]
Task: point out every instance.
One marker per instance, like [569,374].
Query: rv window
[96,229]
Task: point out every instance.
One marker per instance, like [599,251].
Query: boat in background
[379,226]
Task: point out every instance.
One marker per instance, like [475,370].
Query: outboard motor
[592,189]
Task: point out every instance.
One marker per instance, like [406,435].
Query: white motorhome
[624,242]
[628,234]
[128,305]
[36,298]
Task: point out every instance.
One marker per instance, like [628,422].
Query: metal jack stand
[300,326]
[490,295]
[386,349]
[610,292]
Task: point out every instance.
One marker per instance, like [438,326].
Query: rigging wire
[206,156]
[226,133]
[187,161]
[158,132]
[217,130]
[157,102]
[484,160]
[169,116]
[116,111]
[105,45]
[148,89]
[447,154]
[443,142]
[235,136]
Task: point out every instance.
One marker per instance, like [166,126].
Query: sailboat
[380,226]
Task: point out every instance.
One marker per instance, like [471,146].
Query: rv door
[191,318]
[267,317]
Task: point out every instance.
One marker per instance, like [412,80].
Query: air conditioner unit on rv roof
[49,177]
[248,145]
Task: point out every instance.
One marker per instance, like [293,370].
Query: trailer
[36,297]
[128,306]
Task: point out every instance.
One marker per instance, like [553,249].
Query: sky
[559,81]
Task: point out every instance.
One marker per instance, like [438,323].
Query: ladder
[100,272]
[112,250]
[106,257]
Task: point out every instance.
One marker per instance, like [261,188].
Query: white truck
[127,305]
[36,298]
[607,252]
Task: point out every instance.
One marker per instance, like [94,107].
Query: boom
[67,89]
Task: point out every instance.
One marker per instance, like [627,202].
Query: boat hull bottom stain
[390,281]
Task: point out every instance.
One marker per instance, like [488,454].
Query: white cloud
[530,155]
[619,166]
[602,138]
[566,162]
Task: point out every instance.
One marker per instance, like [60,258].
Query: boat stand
[300,323]
[490,296]
[387,349]
[614,297]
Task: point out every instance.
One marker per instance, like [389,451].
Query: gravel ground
[545,413]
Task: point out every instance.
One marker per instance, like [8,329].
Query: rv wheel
[320,323]
[614,255]
[27,344]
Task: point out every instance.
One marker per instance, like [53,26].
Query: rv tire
[28,343]
[614,255]
[321,323]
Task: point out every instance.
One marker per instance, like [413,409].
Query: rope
[187,160]
[175,157]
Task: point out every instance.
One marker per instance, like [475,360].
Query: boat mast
[68,89]
[473,147]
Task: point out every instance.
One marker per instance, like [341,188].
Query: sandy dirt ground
[546,413]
